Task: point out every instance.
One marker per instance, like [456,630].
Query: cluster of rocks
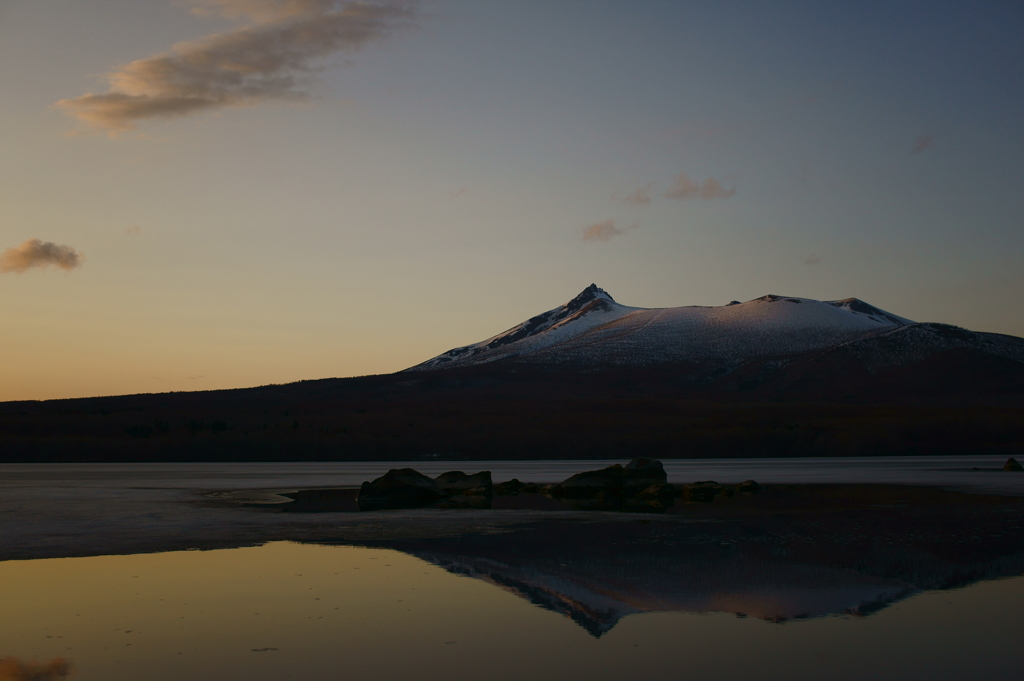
[641,486]
[408,488]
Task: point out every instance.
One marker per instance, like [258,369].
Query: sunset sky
[205,194]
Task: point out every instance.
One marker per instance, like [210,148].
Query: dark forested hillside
[956,401]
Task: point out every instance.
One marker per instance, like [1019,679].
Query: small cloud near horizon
[270,58]
[134,229]
[641,197]
[923,142]
[685,188]
[605,231]
[41,254]
[812,259]
[456,193]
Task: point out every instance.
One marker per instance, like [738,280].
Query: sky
[207,194]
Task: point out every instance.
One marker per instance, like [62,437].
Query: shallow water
[287,610]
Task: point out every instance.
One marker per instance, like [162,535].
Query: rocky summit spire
[588,294]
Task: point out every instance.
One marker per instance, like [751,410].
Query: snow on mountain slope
[915,342]
[593,328]
[593,307]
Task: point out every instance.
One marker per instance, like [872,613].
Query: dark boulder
[748,487]
[459,482]
[658,498]
[699,492]
[398,488]
[639,474]
[659,492]
[511,487]
[590,483]
[1012,465]
[628,480]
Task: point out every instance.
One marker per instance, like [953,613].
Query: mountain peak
[858,306]
[592,292]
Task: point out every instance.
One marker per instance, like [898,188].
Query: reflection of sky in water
[314,612]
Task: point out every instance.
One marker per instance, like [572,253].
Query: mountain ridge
[593,328]
[593,379]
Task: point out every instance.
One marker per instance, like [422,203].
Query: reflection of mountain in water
[777,567]
[596,596]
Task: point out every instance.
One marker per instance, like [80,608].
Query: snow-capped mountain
[593,328]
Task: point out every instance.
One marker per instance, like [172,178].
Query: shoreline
[160,520]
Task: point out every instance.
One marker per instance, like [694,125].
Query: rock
[629,480]
[659,492]
[699,492]
[748,487]
[1012,465]
[457,481]
[370,499]
[477,492]
[639,474]
[529,488]
[511,487]
[590,483]
[398,488]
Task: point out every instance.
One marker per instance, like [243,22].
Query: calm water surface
[296,611]
[932,596]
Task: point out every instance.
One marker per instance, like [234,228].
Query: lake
[845,580]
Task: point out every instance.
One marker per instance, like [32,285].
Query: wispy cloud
[641,197]
[13,669]
[605,231]
[923,142]
[456,193]
[134,229]
[42,254]
[812,259]
[685,188]
[270,58]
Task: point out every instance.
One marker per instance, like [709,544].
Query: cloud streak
[605,231]
[641,197]
[269,59]
[685,188]
[923,142]
[41,254]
